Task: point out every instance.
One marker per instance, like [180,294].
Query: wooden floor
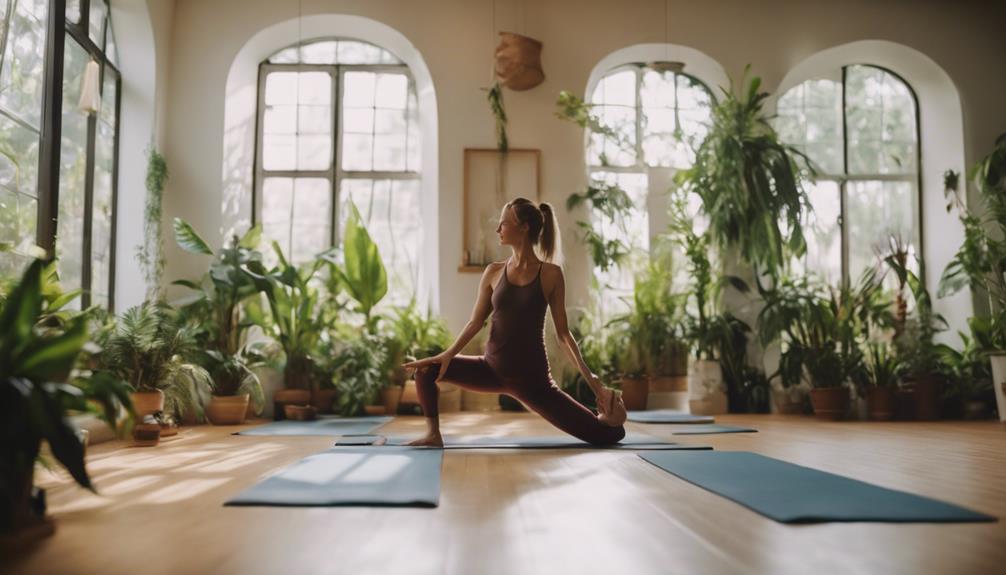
[161,509]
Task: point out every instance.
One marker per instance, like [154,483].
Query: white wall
[141,29]
[455,40]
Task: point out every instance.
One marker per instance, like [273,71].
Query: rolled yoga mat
[667,416]
[362,476]
[792,493]
[320,426]
[631,441]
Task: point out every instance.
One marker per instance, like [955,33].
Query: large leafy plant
[357,374]
[914,332]
[150,349]
[215,311]
[291,316]
[36,359]
[358,269]
[749,182]
[981,260]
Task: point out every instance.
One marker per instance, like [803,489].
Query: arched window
[860,126]
[338,121]
[81,149]
[659,117]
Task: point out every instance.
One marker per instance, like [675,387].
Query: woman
[517,292]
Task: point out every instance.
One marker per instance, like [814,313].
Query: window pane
[283,148]
[614,103]
[73,11]
[18,157]
[21,76]
[72,169]
[877,209]
[323,52]
[101,213]
[108,97]
[96,22]
[413,135]
[810,119]
[111,50]
[617,282]
[390,210]
[822,228]
[881,118]
[351,52]
[297,214]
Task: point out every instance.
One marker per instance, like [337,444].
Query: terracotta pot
[284,397]
[904,404]
[830,403]
[390,396]
[635,392]
[227,409]
[146,434]
[880,403]
[147,402]
[477,401]
[300,412]
[324,400]
[374,409]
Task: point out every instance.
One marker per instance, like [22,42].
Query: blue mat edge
[978,516]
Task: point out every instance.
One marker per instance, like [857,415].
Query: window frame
[335,174]
[58,28]
[844,178]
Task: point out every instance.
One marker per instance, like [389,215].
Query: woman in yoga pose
[517,292]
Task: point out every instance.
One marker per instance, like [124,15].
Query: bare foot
[429,440]
[611,408]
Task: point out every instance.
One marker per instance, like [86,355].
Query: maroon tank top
[516,345]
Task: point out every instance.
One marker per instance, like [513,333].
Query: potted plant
[981,260]
[407,334]
[149,349]
[630,364]
[293,320]
[822,331]
[968,373]
[879,381]
[215,312]
[749,183]
[36,360]
[914,334]
[718,338]
[357,376]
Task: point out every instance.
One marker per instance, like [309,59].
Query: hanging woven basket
[518,62]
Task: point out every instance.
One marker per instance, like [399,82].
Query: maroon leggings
[539,393]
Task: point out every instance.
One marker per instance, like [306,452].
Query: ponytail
[550,242]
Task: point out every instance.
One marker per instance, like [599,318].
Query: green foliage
[360,272]
[980,262]
[495,97]
[215,311]
[914,333]
[749,182]
[968,372]
[612,204]
[573,108]
[881,368]
[150,349]
[36,359]
[409,334]
[357,374]
[293,318]
[150,255]
[822,329]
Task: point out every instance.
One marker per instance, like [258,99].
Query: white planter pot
[999,382]
[707,394]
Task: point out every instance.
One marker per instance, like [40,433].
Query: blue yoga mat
[631,441]
[705,429]
[792,493]
[365,476]
[667,416]
[320,426]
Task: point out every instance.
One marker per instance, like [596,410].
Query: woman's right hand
[444,359]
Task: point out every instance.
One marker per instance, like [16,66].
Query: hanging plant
[151,253]
[750,183]
[495,97]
